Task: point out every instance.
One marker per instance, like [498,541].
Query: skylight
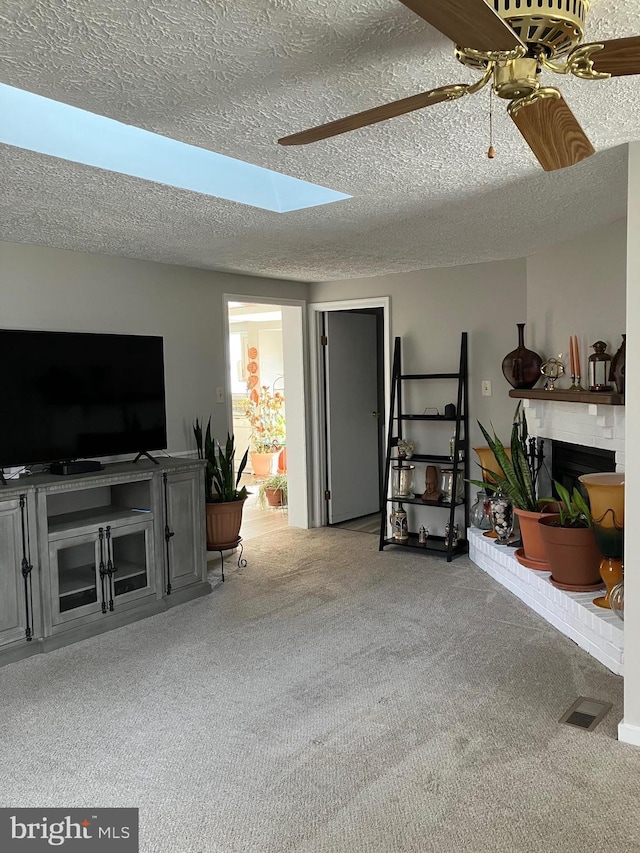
[59,130]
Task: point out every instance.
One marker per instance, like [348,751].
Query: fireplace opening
[569,461]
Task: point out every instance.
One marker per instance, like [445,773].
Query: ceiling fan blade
[395,108]
[551,129]
[468,23]
[618,58]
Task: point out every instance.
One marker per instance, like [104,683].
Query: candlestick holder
[575,383]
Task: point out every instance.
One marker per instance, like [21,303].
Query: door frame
[298,474]
[318,449]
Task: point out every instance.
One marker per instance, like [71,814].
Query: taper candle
[577,355]
[571,358]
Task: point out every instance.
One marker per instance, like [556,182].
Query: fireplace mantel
[563,395]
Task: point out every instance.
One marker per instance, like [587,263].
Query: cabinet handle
[103,571]
[168,533]
[26,568]
[111,570]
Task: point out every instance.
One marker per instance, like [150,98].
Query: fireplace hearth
[580,437]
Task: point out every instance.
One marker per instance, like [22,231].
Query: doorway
[350,381]
[265,370]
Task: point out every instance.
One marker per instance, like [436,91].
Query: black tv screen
[74,395]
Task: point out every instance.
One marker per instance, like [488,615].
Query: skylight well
[59,130]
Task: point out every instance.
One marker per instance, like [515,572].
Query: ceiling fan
[509,42]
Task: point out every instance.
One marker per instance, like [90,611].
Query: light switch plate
[486,387]
[219,395]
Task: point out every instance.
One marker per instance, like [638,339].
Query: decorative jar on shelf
[399,524]
[447,488]
[451,538]
[616,371]
[479,512]
[501,514]
[403,481]
[521,367]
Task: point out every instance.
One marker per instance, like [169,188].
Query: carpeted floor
[363,524]
[329,698]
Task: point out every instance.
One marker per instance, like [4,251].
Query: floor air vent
[586,713]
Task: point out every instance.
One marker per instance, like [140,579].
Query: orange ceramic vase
[606,499]
[488,462]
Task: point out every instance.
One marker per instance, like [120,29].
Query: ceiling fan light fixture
[516,79]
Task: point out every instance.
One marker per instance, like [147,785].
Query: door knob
[375,414]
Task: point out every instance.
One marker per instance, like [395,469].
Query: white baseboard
[628,733]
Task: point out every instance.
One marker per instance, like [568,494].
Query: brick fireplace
[584,425]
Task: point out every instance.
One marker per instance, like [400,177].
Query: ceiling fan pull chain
[491,153]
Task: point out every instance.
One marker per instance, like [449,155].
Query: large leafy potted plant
[224,500]
[264,410]
[516,478]
[570,544]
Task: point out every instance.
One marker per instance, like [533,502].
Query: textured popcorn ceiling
[234,75]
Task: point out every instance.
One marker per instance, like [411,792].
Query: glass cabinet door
[129,550]
[99,571]
[74,565]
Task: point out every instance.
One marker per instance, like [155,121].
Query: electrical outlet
[219,395]
[486,387]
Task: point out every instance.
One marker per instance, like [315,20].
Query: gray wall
[578,288]
[429,310]
[55,289]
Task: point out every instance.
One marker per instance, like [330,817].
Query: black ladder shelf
[459,462]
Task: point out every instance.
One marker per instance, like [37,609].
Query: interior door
[352,416]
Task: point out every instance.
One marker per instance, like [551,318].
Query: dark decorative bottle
[521,367]
[616,372]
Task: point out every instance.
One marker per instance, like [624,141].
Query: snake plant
[517,476]
[219,471]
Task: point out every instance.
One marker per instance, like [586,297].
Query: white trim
[318,455]
[303,486]
[628,733]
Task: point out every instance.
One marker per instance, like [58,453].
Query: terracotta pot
[263,463]
[532,543]
[282,461]
[275,497]
[223,522]
[572,553]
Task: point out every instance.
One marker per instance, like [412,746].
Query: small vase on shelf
[478,514]
[521,367]
[616,371]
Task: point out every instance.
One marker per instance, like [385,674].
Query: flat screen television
[74,395]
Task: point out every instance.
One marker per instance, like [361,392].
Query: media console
[82,554]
